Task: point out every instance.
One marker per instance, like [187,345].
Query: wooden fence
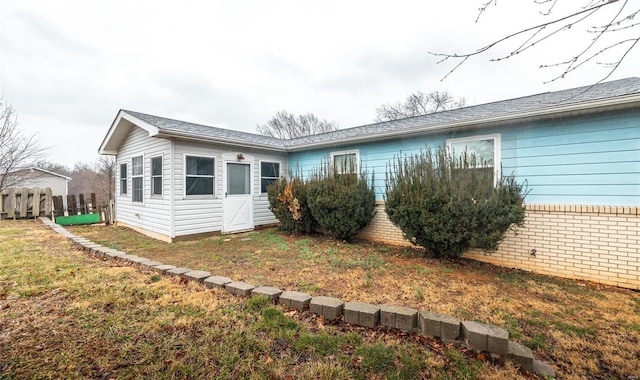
[25,203]
[31,203]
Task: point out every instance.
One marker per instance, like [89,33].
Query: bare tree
[17,150]
[83,179]
[106,169]
[53,167]
[417,104]
[285,125]
[599,41]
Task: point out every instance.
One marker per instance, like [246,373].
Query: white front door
[238,200]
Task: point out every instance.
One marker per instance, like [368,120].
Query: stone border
[477,336]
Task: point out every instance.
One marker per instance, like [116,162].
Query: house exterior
[35,177]
[176,179]
[578,150]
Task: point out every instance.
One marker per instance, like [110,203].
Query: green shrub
[341,203]
[448,205]
[288,202]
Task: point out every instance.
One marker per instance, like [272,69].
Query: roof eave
[622,102]
[164,133]
[115,135]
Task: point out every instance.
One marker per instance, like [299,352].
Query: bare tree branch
[17,151]
[417,104]
[587,51]
[285,125]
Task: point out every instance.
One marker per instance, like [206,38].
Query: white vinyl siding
[202,214]
[154,214]
[191,214]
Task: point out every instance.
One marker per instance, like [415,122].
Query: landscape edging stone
[478,336]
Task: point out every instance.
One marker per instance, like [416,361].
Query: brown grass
[64,314]
[582,329]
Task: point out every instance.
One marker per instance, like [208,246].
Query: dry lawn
[64,314]
[584,330]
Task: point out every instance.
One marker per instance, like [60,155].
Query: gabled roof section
[619,94]
[163,127]
[119,130]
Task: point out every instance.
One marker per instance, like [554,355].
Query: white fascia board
[609,104]
[151,129]
[54,174]
[117,125]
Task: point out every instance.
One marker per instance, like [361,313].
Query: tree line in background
[21,151]
[285,125]
[88,177]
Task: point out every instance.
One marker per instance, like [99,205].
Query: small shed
[34,177]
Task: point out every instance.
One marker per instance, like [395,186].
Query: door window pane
[238,179]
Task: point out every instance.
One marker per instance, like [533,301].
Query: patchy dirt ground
[64,314]
[582,329]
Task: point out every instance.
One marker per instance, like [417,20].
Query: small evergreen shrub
[288,202]
[341,203]
[448,205]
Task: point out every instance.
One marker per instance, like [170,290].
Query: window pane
[238,179]
[136,165]
[483,149]
[123,178]
[345,163]
[199,185]
[269,169]
[264,182]
[156,166]
[156,184]
[200,165]
[136,184]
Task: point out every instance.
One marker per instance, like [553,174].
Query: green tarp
[78,219]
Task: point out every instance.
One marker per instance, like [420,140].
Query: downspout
[172,185]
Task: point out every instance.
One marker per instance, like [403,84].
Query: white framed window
[269,173]
[345,162]
[485,147]
[156,175]
[123,179]
[137,180]
[199,175]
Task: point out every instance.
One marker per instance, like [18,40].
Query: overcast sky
[67,67]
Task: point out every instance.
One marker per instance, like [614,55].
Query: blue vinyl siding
[586,160]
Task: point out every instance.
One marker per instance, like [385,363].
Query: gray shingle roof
[539,102]
[185,128]
[533,103]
